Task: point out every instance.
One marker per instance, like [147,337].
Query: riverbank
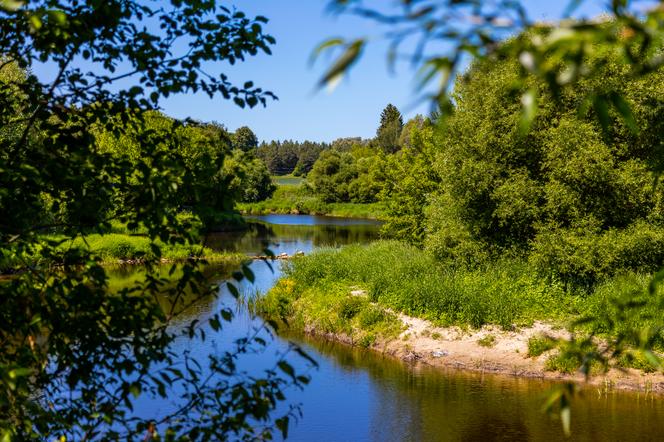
[395,299]
[130,249]
[292,199]
[493,350]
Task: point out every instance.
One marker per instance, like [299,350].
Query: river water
[358,395]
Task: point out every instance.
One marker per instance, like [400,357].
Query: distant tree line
[358,171]
[290,157]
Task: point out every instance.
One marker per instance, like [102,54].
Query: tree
[248,177]
[410,130]
[77,352]
[331,176]
[410,183]
[244,139]
[566,182]
[389,131]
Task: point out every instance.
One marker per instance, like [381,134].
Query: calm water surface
[357,395]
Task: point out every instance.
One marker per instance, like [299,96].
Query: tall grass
[406,279]
[506,292]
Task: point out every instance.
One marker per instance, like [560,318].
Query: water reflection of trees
[259,236]
[192,305]
[422,403]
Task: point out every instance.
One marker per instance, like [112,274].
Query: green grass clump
[563,362]
[328,309]
[637,360]
[538,345]
[487,341]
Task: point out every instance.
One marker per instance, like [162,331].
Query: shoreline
[423,343]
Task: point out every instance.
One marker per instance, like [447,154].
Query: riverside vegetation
[562,223]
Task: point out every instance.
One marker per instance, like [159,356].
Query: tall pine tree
[389,131]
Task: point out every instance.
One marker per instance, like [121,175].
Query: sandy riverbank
[421,342]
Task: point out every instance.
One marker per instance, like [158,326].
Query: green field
[295,198]
[286,180]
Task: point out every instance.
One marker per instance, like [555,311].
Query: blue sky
[302,112]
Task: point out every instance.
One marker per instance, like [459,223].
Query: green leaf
[11,5]
[625,111]
[528,110]
[234,291]
[135,389]
[35,22]
[286,368]
[342,64]
[324,46]
[282,424]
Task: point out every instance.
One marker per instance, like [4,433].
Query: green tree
[249,179]
[410,183]
[244,139]
[389,131]
[506,190]
[76,352]
[331,176]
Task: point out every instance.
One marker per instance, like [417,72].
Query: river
[358,395]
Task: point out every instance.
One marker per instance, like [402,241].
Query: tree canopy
[244,139]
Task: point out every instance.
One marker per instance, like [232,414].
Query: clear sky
[352,109]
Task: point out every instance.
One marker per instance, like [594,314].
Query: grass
[127,248]
[406,279]
[562,362]
[538,345]
[487,341]
[121,246]
[294,198]
[331,311]
[401,278]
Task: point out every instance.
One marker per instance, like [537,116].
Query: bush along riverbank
[504,317]
[294,199]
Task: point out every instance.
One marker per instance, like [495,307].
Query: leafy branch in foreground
[78,354]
